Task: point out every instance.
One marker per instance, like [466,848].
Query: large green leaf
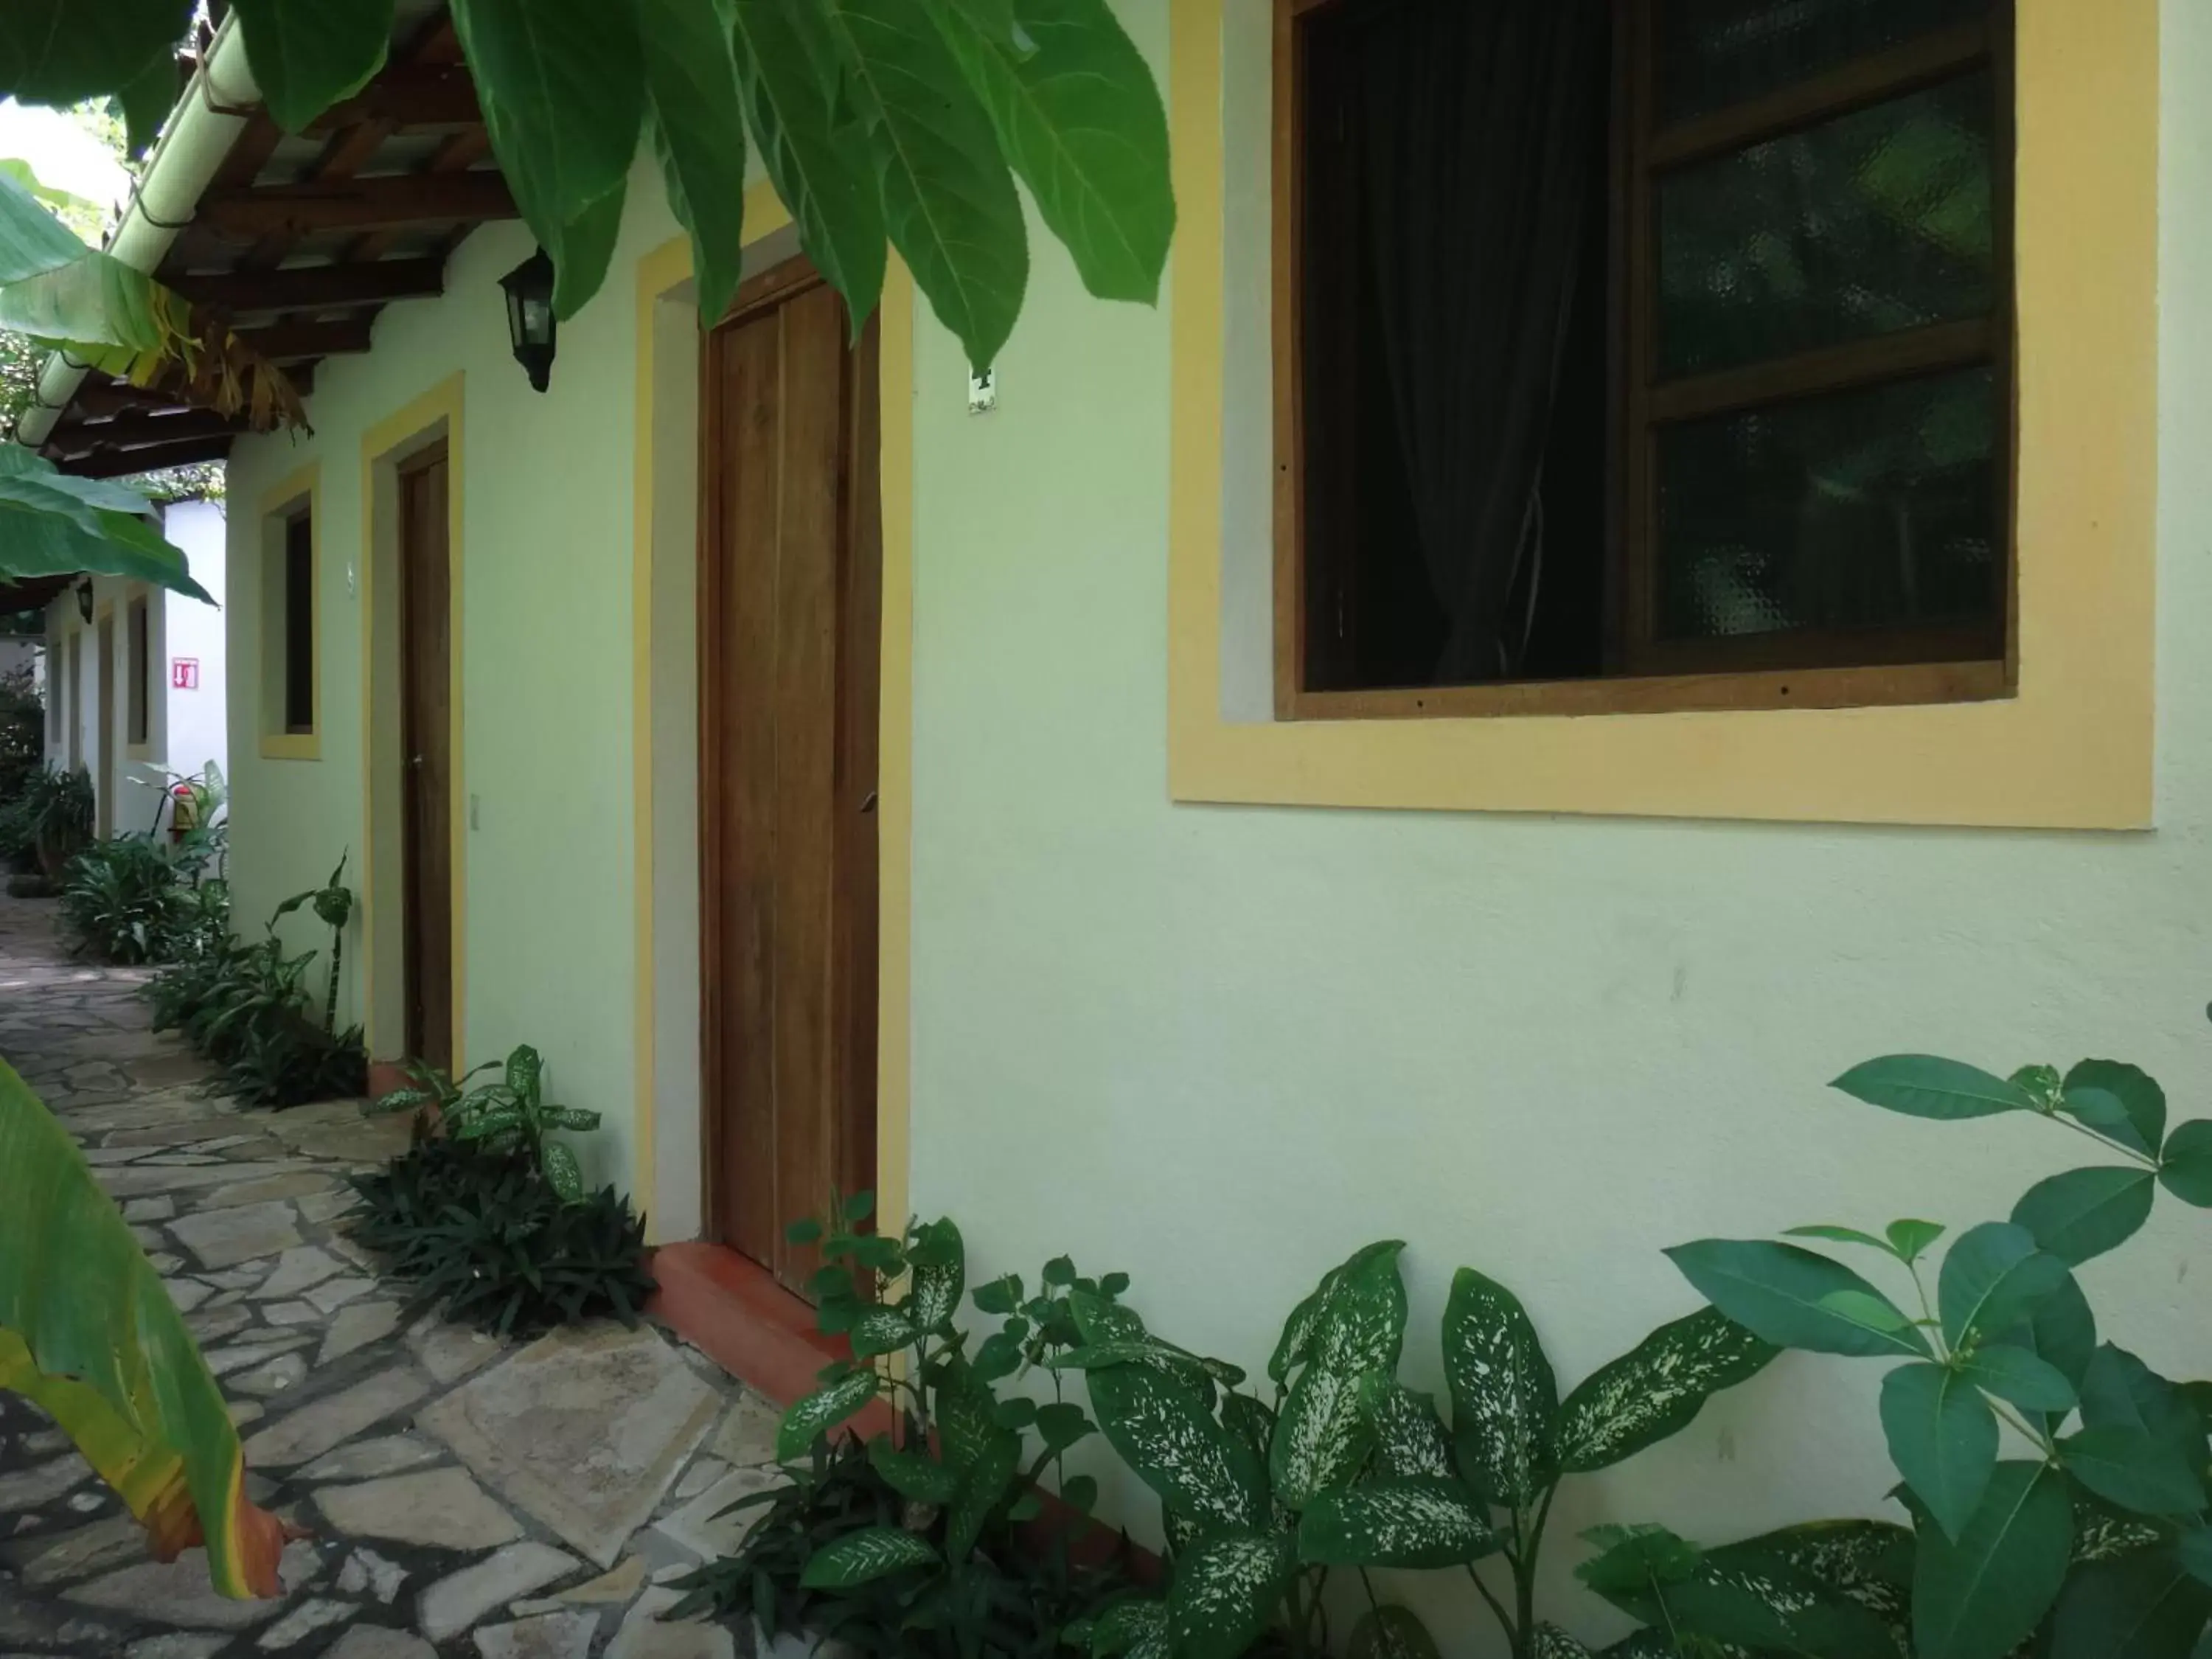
[2142,1102]
[1784,1294]
[2137,1470]
[1225,1593]
[2081,1214]
[861,1558]
[1410,1438]
[62,52]
[981,1488]
[87,1332]
[1656,1390]
[1418,1524]
[562,86]
[949,200]
[2142,1606]
[820,165]
[822,1411]
[53,525]
[1869,1562]
[940,1276]
[307,54]
[1981,1596]
[1922,1085]
[1993,1278]
[1081,119]
[1392,1633]
[2062,1332]
[1505,1400]
[1135,1628]
[1174,1446]
[1321,1438]
[2186,1168]
[2017,1375]
[33,241]
[1550,1641]
[913,1474]
[697,120]
[1942,1437]
[880,1331]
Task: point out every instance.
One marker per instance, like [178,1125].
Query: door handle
[869,804]
[414,760]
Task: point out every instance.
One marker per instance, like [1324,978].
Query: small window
[141,673]
[298,642]
[1639,342]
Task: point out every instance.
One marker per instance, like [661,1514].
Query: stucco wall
[196,729]
[1221,1048]
[544,571]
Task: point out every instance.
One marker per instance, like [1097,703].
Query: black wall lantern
[530,316]
[84,600]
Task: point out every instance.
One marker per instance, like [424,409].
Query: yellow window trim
[2073,750]
[665,268]
[278,502]
[405,430]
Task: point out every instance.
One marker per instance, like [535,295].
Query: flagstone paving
[460,1495]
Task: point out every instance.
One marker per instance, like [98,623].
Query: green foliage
[2056,1486]
[1349,1470]
[48,821]
[911,1548]
[484,1236]
[508,1115]
[22,753]
[247,1007]
[900,120]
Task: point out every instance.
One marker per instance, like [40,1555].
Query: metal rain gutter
[221,97]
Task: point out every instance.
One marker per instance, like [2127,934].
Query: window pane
[300,626]
[1878,221]
[1855,510]
[1716,54]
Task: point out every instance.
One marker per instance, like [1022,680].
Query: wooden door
[426,739]
[790,617]
[104,733]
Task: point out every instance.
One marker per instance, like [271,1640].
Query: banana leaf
[87,1332]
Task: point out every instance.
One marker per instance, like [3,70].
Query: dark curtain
[1475,121]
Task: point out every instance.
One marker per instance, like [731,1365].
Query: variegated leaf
[1363,1323]
[1416,1525]
[2106,1534]
[912,1475]
[820,1412]
[1181,1531]
[1226,1594]
[1173,1443]
[981,1489]
[881,1330]
[967,1414]
[1550,1641]
[1654,1391]
[939,1276]
[861,1558]
[1249,1421]
[1321,1439]
[1409,1437]
[1120,1333]
[1131,1630]
[562,1172]
[1392,1633]
[1869,1562]
[1295,1344]
[1503,1398]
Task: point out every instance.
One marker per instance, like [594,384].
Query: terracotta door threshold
[730,1309]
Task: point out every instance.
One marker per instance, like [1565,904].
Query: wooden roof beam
[408,95]
[118,463]
[315,288]
[141,431]
[381,203]
[289,342]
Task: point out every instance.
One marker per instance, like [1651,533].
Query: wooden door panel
[426,732]
[788,643]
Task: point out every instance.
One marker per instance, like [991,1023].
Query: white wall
[1219,1047]
[197,721]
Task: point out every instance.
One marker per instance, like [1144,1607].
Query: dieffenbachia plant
[88,1334]
[904,122]
[2057,1486]
[1349,1469]
[509,1113]
[969,1459]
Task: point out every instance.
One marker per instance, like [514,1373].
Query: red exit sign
[183,673]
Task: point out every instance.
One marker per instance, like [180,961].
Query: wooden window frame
[303,514]
[1840,670]
[298,497]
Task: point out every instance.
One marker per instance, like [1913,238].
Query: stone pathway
[465,1497]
